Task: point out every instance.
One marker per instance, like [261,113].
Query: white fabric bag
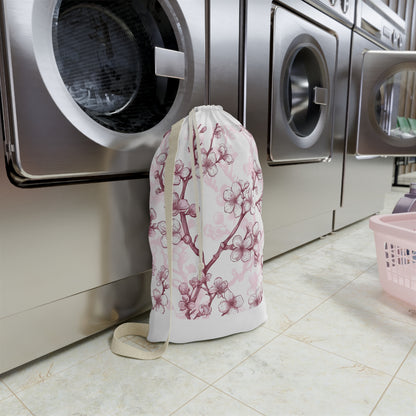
[206,234]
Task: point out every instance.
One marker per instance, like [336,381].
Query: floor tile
[210,360]
[285,307]
[398,400]
[319,274]
[370,339]
[360,242]
[43,368]
[109,385]
[366,293]
[212,402]
[13,407]
[4,392]
[287,377]
[408,370]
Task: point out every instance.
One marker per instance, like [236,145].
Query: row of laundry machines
[88,89]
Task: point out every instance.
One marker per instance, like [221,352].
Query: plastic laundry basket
[395,237]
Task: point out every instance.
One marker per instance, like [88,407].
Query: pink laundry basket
[395,237]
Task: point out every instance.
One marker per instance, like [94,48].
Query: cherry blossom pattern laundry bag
[206,232]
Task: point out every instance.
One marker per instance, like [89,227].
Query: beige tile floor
[334,344]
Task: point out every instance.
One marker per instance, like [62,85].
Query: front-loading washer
[88,89]
[295,100]
[379,97]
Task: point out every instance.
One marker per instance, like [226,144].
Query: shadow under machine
[88,89]
[295,107]
[381,110]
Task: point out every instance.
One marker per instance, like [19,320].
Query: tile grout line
[339,355]
[52,375]
[13,394]
[190,400]
[234,398]
[392,379]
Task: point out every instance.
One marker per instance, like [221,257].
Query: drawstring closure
[193,127]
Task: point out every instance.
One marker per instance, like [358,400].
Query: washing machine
[380,110]
[295,107]
[88,89]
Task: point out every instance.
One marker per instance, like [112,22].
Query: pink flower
[233,198]
[176,232]
[153,226]
[230,303]
[218,131]
[181,172]
[186,304]
[179,205]
[226,157]
[191,211]
[162,276]
[242,248]
[248,204]
[219,288]
[183,289]
[209,163]
[205,278]
[160,301]
[161,159]
[256,299]
[204,310]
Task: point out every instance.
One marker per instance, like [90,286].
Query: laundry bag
[206,234]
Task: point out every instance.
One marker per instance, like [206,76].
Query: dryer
[88,90]
[295,107]
[380,110]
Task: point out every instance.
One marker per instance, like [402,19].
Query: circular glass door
[105,56]
[303,94]
[395,108]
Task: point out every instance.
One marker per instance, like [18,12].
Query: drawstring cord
[193,127]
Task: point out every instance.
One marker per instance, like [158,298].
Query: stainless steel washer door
[104,53]
[387,112]
[303,69]
[89,87]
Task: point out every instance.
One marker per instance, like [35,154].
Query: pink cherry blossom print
[176,232]
[179,205]
[161,278]
[242,248]
[233,199]
[219,288]
[218,194]
[256,299]
[209,163]
[181,172]
[224,155]
[160,301]
[231,303]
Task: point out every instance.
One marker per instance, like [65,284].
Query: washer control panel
[342,10]
[379,23]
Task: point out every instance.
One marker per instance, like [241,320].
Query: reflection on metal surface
[304,76]
[169,63]
[105,57]
[395,109]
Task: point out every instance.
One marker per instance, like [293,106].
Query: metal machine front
[387,116]
[90,87]
[303,66]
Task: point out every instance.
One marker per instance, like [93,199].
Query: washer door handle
[169,63]
[320,96]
